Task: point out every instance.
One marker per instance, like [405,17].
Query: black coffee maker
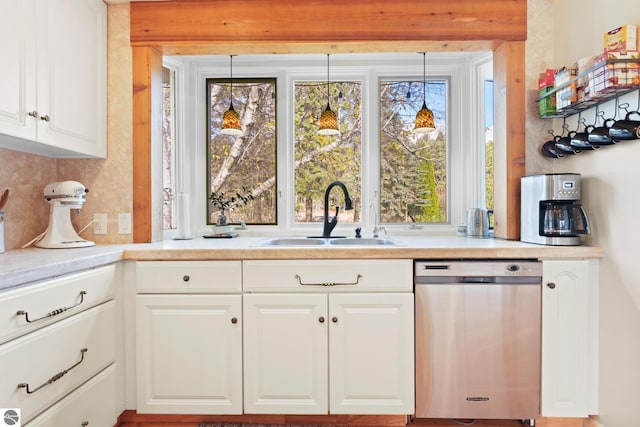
[551,213]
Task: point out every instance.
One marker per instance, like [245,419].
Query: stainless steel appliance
[478,339]
[63,196]
[478,224]
[551,211]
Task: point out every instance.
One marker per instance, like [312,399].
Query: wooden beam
[509,136]
[147,65]
[192,22]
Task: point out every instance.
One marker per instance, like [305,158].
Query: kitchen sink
[294,241]
[364,241]
[319,241]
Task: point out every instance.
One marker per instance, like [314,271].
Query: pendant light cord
[231,79]
[424,78]
[327,79]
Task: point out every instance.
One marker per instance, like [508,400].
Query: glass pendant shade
[231,122]
[328,118]
[328,122]
[231,118]
[424,120]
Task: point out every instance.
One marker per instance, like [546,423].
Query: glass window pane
[321,159]
[488,108]
[168,149]
[413,167]
[244,164]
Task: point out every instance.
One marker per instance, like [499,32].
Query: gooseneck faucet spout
[329,225]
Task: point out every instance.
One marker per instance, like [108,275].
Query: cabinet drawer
[94,403]
[51,300]
[189,276]
[41,358]
[382,275]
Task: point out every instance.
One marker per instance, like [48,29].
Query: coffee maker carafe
[551,213]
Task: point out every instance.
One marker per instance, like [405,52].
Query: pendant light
[328,118]
[231,119]
[424,118]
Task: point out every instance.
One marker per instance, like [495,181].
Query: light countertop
[27,265]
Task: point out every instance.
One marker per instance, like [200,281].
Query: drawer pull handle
[51,313]
[329,283]
[56,377]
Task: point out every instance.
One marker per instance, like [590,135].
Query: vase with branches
[222,202]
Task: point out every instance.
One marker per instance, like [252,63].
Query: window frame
[463,152]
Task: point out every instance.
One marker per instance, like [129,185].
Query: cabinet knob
[334,319]
[44,118]
[321,319]
[186,278]
[551,285]
[85,423]
[33,114]
[234,320]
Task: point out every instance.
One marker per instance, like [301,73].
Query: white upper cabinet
[53,79]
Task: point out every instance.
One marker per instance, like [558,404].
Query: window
[168,148]
[321,159]
[488,111]
[244,164]
[393,176]
[413,167]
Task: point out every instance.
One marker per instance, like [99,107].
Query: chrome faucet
[329,225]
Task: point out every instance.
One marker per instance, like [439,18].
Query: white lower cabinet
[286,353]
[569,380]
[92,404]
[41,367]
[189,354]
[328,336]
[371,357]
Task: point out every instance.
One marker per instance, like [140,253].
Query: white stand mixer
[63,196]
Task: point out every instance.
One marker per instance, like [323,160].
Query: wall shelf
[602,82]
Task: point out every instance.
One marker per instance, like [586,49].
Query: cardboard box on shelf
[617,75]
[622,39]
[568,94]
[547,104]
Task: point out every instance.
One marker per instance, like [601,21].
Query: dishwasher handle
[489,280]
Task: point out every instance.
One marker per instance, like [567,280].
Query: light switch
[124,223]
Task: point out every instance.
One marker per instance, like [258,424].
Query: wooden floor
[131,419]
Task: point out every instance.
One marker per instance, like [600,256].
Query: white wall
[610,176]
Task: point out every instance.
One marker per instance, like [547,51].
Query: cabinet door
[71,75]
[371,341]
[17,73]
[189,354]
[285,354]
[569,338]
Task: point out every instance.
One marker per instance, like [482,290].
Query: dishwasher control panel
[501,268]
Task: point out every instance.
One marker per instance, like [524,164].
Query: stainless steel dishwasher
[478,339]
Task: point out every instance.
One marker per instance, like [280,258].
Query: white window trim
[465,137]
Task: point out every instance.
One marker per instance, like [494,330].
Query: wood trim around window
[279,26]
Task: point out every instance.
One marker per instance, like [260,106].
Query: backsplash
[26,212]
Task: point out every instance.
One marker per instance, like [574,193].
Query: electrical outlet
[100,223]
[124,223]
